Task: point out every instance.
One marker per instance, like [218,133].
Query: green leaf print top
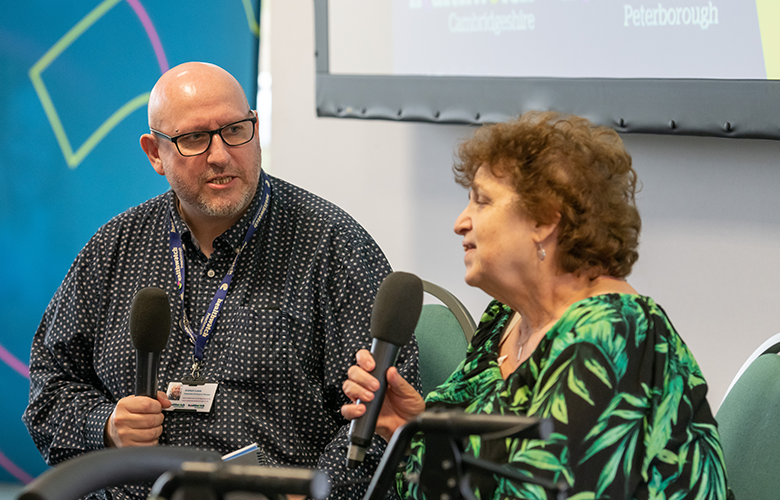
[626,396]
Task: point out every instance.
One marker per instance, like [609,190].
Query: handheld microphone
[150,325]
[394,316]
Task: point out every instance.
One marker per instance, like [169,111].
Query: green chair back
[749,426]
[442,345]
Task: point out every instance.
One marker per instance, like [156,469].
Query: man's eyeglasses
[197,143]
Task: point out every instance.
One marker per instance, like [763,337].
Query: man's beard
[217,209]
[214,207]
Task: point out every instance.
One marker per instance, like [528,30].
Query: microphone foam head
[397,308]
[150,319]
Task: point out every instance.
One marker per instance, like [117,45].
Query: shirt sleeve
[352,293]
[68,407]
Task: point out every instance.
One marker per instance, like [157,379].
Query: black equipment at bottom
[178,470]
[173,467]
[222,478]
[100,469]
[447,470]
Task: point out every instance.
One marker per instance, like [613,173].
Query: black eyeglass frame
[211,134]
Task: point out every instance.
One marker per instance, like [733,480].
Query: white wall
[710,250]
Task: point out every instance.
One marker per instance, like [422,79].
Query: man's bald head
[213,188]
[189,85]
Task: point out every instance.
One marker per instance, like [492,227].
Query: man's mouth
[221,180]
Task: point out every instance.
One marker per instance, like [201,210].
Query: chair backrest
[749,425]
[443,334]
[771,345]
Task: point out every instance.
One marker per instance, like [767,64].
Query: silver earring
[540,251]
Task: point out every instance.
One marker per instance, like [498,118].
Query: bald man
[270,289]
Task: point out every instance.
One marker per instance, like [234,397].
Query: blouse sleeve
[626,399]
[599,427]
[623,395]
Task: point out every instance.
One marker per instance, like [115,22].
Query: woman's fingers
[355,391]
[360,384]
[365,360]
[353,411]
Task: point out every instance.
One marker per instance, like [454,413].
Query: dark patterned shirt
[626,397]
[296,312]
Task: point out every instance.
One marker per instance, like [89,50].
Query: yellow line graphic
[72,158]
[769,22]
[251,18]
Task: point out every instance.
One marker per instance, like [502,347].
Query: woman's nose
[462,223]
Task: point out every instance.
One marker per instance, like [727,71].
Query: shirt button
[210,273]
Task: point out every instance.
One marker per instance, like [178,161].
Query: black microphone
[394,316]
[150,325]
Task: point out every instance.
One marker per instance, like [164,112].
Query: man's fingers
[148,405]
[144,436]
[140,404]
[138,420]
[163,399]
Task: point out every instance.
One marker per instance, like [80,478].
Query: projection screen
[689,67]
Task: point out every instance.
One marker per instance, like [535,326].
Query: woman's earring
[540,251]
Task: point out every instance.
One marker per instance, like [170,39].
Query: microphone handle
[146,367]
[361,430]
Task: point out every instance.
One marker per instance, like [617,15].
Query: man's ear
[149,145]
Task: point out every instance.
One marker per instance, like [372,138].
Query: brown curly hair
[565,164]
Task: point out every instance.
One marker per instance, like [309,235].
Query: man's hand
[136,421]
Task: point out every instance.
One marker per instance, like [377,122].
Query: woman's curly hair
[565,164]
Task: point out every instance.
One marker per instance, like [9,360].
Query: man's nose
[218,152]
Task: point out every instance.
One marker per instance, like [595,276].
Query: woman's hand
[402,402]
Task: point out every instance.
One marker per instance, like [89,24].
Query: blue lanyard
[207,323]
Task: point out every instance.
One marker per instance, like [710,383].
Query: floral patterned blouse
[627,399]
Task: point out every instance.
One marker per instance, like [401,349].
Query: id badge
[198,397]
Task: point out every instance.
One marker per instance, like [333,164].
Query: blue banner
[74,83]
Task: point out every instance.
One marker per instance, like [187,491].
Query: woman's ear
[543,232]
[149,145]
